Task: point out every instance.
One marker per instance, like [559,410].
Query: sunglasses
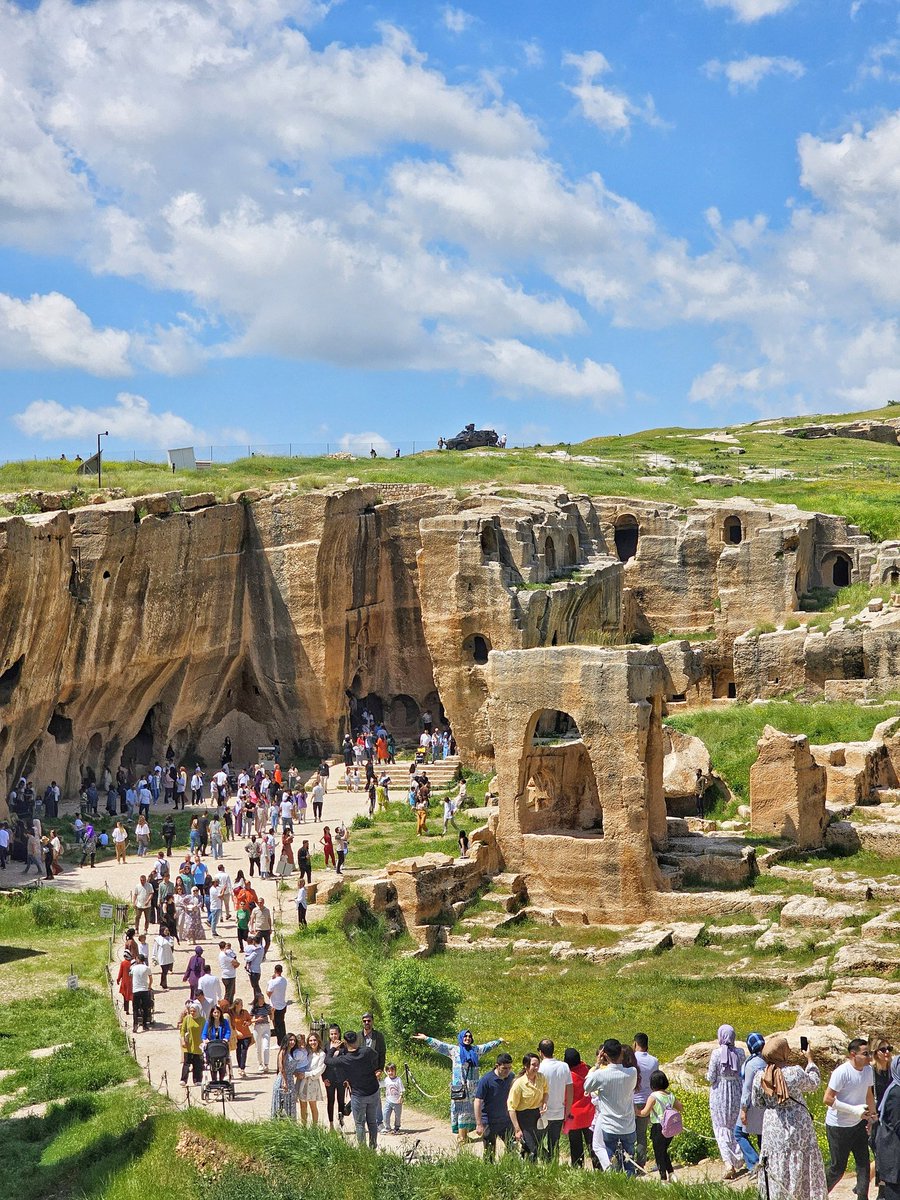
[885,1050]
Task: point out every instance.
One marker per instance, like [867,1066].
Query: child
[665,1113]
[302,805]
[393,1098]
[463,844]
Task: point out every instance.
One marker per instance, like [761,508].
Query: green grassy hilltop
[847,476]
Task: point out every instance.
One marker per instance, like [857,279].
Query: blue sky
[265,222]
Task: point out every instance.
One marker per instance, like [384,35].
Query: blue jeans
[366,1111]
[751,1157]
[611,1141]
[214,916]
[392,1108]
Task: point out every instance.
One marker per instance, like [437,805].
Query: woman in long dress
[291,1060]
[309,1089]
[190,925]
[724,1077]
[791,1167]
[464,1079]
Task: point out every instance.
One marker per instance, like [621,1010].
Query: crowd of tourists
[615,1113]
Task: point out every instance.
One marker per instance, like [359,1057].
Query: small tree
[414,998]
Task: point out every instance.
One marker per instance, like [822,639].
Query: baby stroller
[220,1084]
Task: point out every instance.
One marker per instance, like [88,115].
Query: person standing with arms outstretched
[464,1056]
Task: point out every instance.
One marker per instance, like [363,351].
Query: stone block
[687,933]
[816,912]
[870,957]
[198,500]
[787,790]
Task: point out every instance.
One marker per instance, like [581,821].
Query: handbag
[459,1091]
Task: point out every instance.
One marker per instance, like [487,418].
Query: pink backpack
[671,1124]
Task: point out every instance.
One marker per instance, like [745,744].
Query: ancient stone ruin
[166,621]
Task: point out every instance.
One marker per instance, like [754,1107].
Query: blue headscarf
[467,1054]
[755,1042]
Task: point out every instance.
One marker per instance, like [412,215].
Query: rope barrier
[411,1079]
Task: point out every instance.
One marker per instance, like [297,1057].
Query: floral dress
[462,1112]
[794,1160]
[725,1106]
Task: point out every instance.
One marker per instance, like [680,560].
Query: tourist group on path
[613,1113]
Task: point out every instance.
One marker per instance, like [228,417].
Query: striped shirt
[614,1088]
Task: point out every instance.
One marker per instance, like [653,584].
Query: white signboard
[106,911]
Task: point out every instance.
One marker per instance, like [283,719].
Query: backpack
[671,1124]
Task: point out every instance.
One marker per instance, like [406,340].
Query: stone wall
[550,794]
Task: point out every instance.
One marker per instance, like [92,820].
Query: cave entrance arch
[626,535]
[559,793]
[838,570]
[550,555]
[139,751]
[477,647]
[571,550]
[403,717]
[732,531]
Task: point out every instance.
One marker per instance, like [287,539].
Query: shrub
[697,1141]
[361,822]
[412,995]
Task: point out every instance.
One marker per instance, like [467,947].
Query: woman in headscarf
[89,844]
[724,1078]
[195,968]
[750,1118]
[791,1167]
[887,1136]
[191,924]
[464,1057]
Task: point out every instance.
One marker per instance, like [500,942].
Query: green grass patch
[852,478]
[731,734]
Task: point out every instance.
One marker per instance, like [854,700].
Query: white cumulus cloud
[362,444]
[456,20]
[752,10]
[51,331]
[747,73]
[606,107]
[129,418]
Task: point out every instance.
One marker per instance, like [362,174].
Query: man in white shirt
[302,902]
[277,993]
[228,964]
[141,982]
[220,780]
[226,888]
[647,1064]
[209,991]
[318,799]
[215,908]
[287,813]
[850,1100]
[560,1091]
[4,845]
[614,1087]
[142,899]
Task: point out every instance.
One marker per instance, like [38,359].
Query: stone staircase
[442,774]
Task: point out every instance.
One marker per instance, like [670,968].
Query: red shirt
[582,1105]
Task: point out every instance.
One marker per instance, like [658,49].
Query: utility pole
[99,469]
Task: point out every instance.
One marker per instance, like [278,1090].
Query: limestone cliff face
[167,620]
[130,626]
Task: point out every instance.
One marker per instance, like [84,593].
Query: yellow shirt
[191,1031]
[524,1094]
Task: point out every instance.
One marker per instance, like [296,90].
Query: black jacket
[378,1045]
[887,1139]
[358,1069]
